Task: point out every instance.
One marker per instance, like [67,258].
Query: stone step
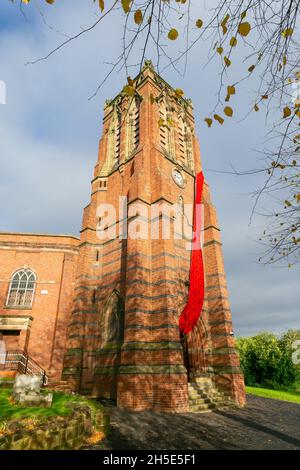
[206,407]
[199,401]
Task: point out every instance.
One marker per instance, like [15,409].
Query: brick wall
[53,260]
[145,368]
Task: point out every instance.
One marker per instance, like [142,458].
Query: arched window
[21,290]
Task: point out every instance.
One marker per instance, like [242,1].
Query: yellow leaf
[161,122]
[287,32]
[284,60]
[179,92]
[101,5]
[218,118]
[244,28]
[138,17]
[225,19]
[128,90]
[233,42]
[244,14]
[228,111]
[126,5]
[49,1]
[264,97]
[287,203]
[208,121]
[219,50]
[173,34]
[231,90]
[286,112]
[251,68]
[26,1]
[256,108]
[227,61]
[199,23]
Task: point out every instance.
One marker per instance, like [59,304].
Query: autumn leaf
[231,90]
[173,34]
[219,50]
[287,32]
[244,28]
[179,92]
[161,122]
[227,61]
[128,90]
[199,23]
[138,17]
[256,108]
[126,5]
[218,118]
[152,99]
[208,121]
[233,42]
[101,4]
[228,111]
[223,24]
[286,112]
[251,68]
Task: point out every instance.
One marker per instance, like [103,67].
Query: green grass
[60,407]
[293,395]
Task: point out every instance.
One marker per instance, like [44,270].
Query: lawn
[8,410]
[293,396]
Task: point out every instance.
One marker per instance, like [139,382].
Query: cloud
[49,133]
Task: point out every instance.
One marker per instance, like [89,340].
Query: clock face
[178,178]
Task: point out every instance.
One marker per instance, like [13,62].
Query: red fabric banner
[192,311]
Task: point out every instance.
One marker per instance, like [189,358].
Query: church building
[99,314]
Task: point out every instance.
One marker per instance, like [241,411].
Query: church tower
[132,280]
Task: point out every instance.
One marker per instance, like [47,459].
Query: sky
[49,132]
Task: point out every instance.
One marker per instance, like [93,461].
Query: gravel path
[264,424]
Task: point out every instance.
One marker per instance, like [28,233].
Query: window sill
[17,307]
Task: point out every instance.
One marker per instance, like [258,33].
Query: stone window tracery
[22,288]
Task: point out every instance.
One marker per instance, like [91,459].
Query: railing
[23,364]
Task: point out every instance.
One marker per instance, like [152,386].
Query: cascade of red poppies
[193,308]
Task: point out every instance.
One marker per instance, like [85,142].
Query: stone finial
[148,64]
[107,103]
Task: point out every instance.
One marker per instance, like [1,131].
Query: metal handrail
[22,363]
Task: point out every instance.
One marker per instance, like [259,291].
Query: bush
[266,361]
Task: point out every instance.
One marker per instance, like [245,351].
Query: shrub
[266,361]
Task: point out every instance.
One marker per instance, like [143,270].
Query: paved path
[264,424]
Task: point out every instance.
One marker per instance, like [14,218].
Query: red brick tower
[124,341]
